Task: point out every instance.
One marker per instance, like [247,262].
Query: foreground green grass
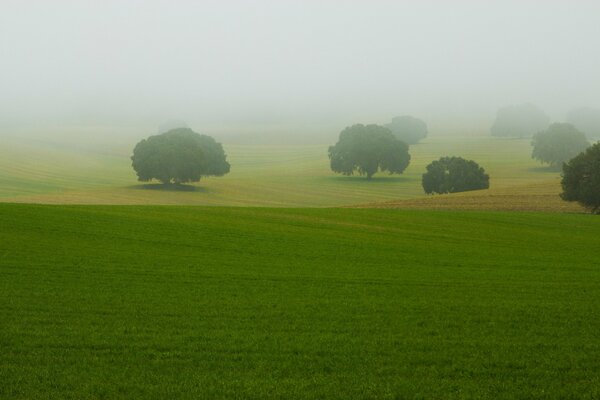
[184,302]
[261,175]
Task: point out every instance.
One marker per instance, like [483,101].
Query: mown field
[531,197]
[273,175]
[212,302]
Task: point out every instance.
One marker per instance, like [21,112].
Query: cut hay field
[217,302]
[262,175]
[542,196]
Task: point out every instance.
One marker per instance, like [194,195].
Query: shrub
[454,174]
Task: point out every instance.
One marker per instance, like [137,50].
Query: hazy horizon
[292,63]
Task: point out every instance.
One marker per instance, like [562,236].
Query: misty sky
[277,60]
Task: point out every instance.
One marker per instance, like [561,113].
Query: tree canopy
[558,144]
[408,129]
[367,149]
[179,156]
[519,121]
[581,179]
[454,174]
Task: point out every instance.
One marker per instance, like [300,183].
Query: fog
[244,65]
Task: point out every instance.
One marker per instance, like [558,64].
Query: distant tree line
[180,155]
[526,120]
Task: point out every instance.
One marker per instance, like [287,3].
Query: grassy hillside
[185,302]
[261,175]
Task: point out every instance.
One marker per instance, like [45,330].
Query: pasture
[217,302]
[270,175]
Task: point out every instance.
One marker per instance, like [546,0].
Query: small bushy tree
[409,129]
[367,149]
[519,121]
[179,156]
[558,144]
[581,179]
[454,174]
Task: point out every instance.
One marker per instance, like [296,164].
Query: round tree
[178,156]
[581,179]
[366,149]
[454,174]
[519,121]
[408,129]
[558,144]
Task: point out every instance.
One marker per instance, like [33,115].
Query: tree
[454,174]
[558,144]
[519,121]
[179,156]
[586,120]
[367,149]
[408,129]
[581,179]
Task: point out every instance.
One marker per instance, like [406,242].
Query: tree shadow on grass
[169,188]
[385,179]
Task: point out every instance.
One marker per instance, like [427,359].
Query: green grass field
[207,302]
[99,172]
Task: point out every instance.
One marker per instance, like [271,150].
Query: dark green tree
[408,129]
[519,121]
[581,179]
[558,144]
[367,149]
[179,156]
[454,174]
